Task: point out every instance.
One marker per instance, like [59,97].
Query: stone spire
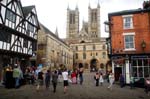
[89,5]
[56,32]
[68,7]
[76,6]
[98,5]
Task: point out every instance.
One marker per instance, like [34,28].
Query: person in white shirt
[65,78]
[111,81]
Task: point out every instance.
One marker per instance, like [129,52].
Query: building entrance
[118,71]
[93,65]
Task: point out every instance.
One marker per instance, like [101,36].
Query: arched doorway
[93,65]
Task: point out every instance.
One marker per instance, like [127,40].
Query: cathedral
[89,48]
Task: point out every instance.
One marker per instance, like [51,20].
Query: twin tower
[90,30]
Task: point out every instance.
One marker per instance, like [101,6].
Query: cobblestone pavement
[86,91]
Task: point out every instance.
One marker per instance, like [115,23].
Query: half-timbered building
[18,33]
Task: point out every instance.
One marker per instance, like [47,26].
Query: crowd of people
[14,77]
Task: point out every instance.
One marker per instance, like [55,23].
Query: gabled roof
[47,31]
[27,9]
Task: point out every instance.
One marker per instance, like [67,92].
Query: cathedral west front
[89,48]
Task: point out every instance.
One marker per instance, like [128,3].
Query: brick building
[129,42]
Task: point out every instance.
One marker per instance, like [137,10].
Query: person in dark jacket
[54,80]
[47,79]
[39,80]
[121,79]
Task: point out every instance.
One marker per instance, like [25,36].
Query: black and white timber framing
[18,32]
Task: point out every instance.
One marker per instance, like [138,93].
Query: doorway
[93,65]
[118,71]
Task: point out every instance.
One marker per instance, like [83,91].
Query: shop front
[131,66]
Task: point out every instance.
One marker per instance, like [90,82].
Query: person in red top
[73,77]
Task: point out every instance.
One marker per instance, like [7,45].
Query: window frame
[133,42]
[11,16]
[126,23]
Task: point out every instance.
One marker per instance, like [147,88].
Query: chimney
[146,4]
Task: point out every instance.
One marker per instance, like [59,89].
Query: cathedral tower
[72,28]
[94,22]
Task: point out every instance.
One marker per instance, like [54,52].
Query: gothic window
[95,16]
[76,48]
[84,55]
[84,48]
[104,55]
[72,19]
[104,47]
[10,16]
[76,55]
[93,47]
[96,54]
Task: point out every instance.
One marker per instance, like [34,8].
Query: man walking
[54,80]
[65,78]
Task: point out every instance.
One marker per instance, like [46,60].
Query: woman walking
[101,80]
[111,81]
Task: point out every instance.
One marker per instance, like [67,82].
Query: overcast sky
[52,13]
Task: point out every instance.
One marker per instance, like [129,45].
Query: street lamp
[143,45]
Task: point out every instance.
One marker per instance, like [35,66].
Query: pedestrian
[65,78]
[131,82]
[96,77]
[81,73]
[17,75]
[54,80]
[147,85]
[121,80]
[101,80]
[73,77]
[39,80]
[111,81]
[47,79]
[9,81]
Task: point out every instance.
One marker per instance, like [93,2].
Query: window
[127,22]
[104,55]
[84,55]
[104,47]
[5,36]
[93,47]
[10,16]
[84,47]
[25,43]
[76,55]
[72,18]
[140,67]
[129,42]
[30,28]
[96,54]
[76,48]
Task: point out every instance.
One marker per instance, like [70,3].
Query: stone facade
[88,47]
[52,51]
